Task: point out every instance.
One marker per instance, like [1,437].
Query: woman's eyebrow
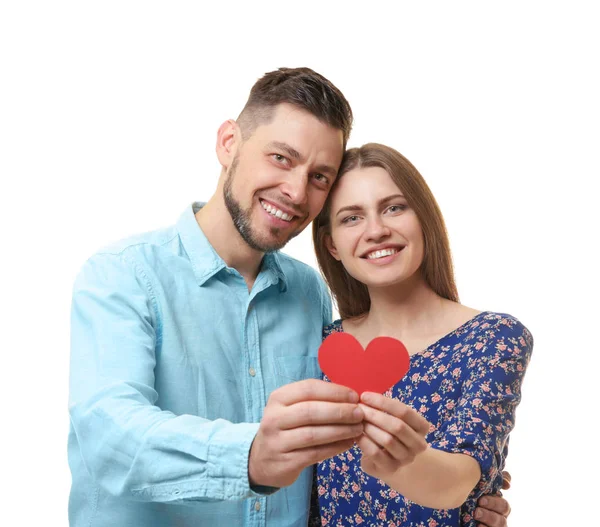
[353,208]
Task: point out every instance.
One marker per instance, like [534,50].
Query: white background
[108,119]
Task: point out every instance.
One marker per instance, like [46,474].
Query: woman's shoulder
[334,327]
[500,331]
[502,323]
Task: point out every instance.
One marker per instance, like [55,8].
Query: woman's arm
[393,452]
[471,442]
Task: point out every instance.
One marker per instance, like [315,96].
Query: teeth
[380,254]
[276,212]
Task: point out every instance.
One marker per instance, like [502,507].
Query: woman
[382,246]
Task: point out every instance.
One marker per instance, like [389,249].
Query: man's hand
[493,510]
[303,423]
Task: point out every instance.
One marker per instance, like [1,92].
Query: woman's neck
[408,308]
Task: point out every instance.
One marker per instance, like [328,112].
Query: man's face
[280,177]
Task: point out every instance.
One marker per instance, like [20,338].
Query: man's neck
[216,224]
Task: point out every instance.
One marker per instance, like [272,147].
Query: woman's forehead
[363,184]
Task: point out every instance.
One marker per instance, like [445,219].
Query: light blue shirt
[172,363]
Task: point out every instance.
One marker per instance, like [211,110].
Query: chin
[379,280]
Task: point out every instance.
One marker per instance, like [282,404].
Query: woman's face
[374,233]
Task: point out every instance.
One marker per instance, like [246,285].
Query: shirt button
[252,373]
[257,506]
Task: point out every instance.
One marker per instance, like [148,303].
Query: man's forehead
[298,127]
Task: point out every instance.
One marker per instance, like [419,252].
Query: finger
[489,518]
[396,428]
[318,413]
[495,504]
[506,479]
[394,407]
[312,455]
[372,453]
[391,445]
[313,390]
[314,436]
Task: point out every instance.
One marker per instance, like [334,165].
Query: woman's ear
[228,138]
[331,247]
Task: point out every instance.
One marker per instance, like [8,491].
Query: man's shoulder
[142,250]
[139,243]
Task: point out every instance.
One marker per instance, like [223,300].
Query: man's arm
[129,446]
[134,449]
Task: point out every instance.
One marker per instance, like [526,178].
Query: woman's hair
[352,296]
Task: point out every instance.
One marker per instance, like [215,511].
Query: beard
[243,222]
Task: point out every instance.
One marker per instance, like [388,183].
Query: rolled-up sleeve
[485,413]
[129,446]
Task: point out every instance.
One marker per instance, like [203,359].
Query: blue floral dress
[467,385]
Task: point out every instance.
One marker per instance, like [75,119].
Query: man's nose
[295,188]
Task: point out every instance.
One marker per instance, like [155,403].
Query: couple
[195,393]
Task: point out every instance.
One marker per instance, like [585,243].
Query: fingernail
[358,413]
[366,397]
[477,514]
[354,398]
[484,502]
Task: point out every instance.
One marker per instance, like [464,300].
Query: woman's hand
[394,434]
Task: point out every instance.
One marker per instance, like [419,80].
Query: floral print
[468,385]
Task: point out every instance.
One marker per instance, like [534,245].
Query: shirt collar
[271,262]
[205,260]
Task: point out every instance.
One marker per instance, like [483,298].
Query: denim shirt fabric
[172,363]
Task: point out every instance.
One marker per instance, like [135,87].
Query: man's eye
[279,158]
[321,178]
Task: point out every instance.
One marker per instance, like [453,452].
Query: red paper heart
[376,369]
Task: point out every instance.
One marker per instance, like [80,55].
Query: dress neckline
[339,321]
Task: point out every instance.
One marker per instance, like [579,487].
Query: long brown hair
[351,296]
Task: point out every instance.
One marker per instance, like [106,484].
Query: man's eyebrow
[327,169]
[292,152]
[355,208]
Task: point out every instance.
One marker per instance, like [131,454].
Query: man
[193,397]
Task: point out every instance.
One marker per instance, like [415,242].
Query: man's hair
[301,87]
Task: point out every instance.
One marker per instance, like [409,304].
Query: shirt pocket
[292,368]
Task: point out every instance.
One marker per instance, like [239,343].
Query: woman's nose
[376,229]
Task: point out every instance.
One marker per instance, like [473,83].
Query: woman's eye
[396,208]
[350,219]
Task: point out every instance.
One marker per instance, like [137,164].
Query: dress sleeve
[131,447]
[485,412]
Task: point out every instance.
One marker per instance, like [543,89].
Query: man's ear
[331,247]
[228,139]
